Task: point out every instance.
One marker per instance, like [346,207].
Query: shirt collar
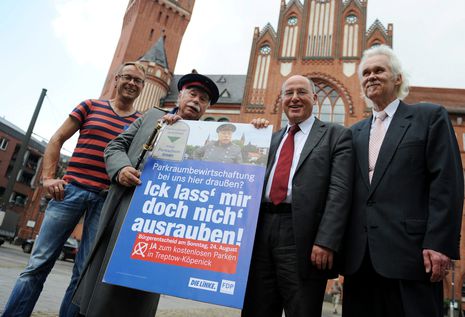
[305,126]
[390,109]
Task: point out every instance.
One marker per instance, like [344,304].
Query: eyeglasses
[203,97]
[129,78]
[288,94]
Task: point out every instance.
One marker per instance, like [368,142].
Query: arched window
[330,107]
[350,45]
[284,120]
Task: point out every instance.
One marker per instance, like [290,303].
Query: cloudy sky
[66,46]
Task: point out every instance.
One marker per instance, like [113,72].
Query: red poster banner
[210,256]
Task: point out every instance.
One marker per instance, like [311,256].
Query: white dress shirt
[299,141]
[390,111]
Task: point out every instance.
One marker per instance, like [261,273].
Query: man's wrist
[43,179]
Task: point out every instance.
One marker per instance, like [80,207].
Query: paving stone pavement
[13,261]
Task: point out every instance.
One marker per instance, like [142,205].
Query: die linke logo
[207,285]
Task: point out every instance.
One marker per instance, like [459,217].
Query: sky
[66,47]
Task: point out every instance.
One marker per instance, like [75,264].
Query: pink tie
[282,171]
[376,139]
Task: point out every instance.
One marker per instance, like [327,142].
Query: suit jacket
[321,191]
[415,198]
[94,297]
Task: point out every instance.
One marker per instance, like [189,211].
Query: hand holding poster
[190,226]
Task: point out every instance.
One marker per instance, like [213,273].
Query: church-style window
[351,19]
[292,21]
[321,25]
[339,111]
[265,49]
[284,120]
[290,37]
[330,107]
[351,41]
[326,110]
[260,77]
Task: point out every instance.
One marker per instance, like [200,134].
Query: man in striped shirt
[81,192]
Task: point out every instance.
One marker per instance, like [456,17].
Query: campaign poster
[190,226]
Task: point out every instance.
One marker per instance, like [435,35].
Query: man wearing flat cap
[94,297]
[222,150]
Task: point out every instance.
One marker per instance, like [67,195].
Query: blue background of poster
[172,279]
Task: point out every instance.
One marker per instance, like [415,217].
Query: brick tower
[145,24]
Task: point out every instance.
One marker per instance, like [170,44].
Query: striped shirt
[99,125]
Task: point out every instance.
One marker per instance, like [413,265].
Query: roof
[377,25]
[156,53]
[10,129]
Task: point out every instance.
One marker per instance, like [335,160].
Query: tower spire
[157,54]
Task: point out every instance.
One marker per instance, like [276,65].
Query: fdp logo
[227,287]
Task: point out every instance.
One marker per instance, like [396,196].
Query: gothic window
[284,120]
[265,49]
[290,37]
[330,107]
[292,21]
[326,110]
[321,25]
[261,71]
[350,46]
[351,19]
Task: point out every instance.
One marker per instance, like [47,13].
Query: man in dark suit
[303,212]
[408,194]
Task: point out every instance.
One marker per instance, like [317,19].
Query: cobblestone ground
[174,313]
[199,312]
[13,261]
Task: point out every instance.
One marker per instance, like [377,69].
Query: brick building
[26,200]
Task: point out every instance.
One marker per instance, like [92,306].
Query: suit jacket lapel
[362,141]
[396,131]
[316,133]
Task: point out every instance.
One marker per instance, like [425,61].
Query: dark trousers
[274,283]
[368,294]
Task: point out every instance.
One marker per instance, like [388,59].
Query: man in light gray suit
[304,210]
[95,298]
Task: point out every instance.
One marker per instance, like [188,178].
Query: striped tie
[376,139]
